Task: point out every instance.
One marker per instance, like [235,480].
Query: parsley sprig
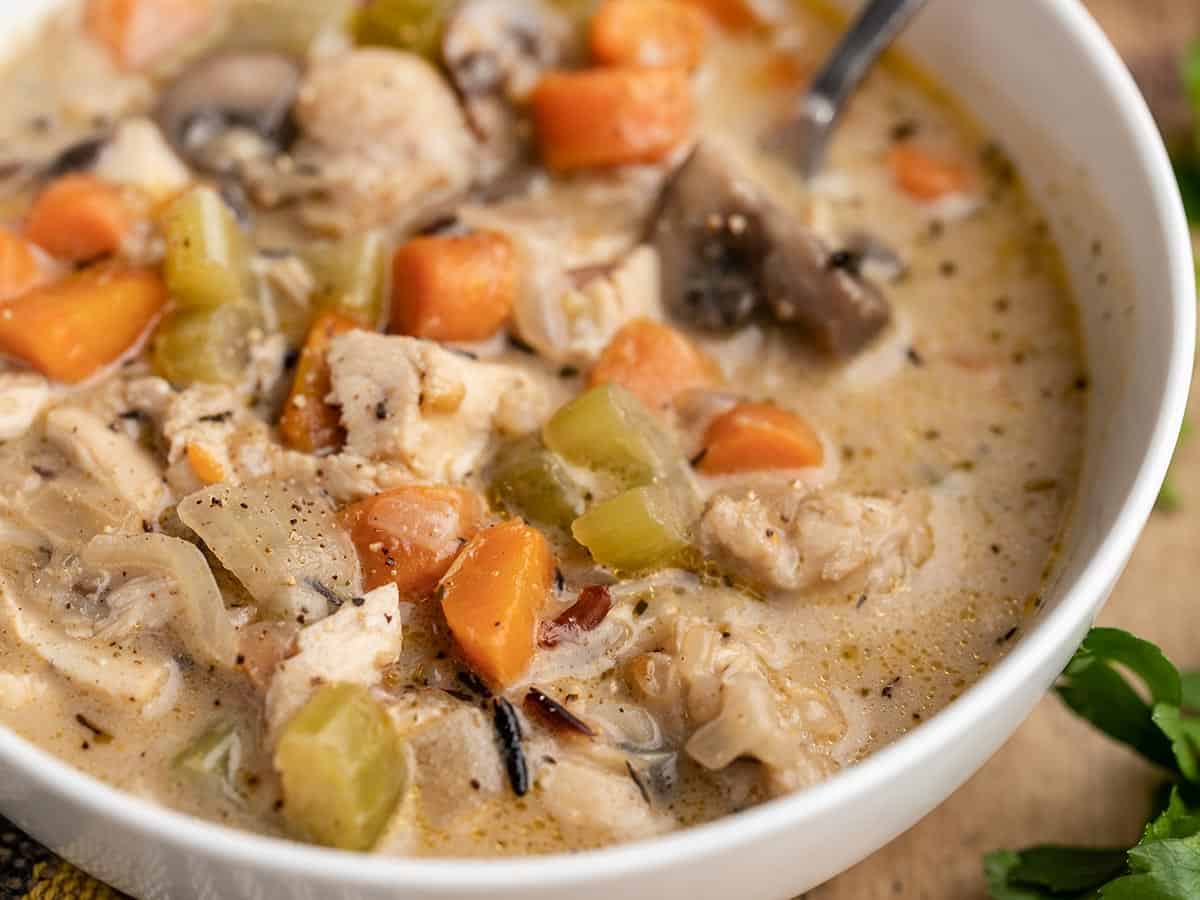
[1130,691]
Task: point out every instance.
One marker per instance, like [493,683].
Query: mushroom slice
[231,107]
[495,51]
[728,251]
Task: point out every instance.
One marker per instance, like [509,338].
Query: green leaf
[1098,692]
[1187,173]
[1067,869]
[1191,82]
[1178,820]
[1162,870]
[1061,873]
[1191,691]
[1184,735]
[1168,500]
[996,869]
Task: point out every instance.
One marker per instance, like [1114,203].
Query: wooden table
[1056,780]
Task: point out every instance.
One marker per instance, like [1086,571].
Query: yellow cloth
[29,871]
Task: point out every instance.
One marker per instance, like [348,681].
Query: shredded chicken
[593,806]
[568,324]
[457,748]
[351,646]
[717,698]
[124,674]
[23,396]
[110,457]
[139,157]
[428,408]
[791,539]
[384,143]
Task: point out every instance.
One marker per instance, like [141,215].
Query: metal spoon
[802,139]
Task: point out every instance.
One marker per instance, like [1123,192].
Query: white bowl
[1038,73]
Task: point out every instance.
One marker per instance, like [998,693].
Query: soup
[457,430]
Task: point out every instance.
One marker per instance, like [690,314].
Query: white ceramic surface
[1040,75]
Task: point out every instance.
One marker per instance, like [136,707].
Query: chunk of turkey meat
[716,697]
[593,806]
[351,646]
[214,418]
[495,51]
[112,458]
[138,156]
[573,324]
[23,396]
[383,143]
[431,409]
[135,673]
[456,748]
[791,539]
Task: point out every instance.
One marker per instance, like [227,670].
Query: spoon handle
[876,26]
[879,23]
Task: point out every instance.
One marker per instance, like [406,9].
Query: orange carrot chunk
[648,33]
[140,32]
[410,535]
[654,362]
[924,177]
[455,288]
[309,423]
[756,436]
[19,269]
[79,217]
[204,464]
[69,329]
[491,597]
[610,117]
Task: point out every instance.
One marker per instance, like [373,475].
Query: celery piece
[609,429]
[207,262]
[205,345]
[413,25]
[340,763]
[643,528]
[285,26]
[214,757]
[528,480]
[351,277]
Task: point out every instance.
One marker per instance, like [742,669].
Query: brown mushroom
[729,252]
[231,107]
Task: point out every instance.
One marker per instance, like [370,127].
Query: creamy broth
[820,612]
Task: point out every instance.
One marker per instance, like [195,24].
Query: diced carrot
[783,69]
[648,33]
[756,436]
[69,329]
[654,362]
[309,423]
[924,177]
[492,595]
[454,288]
[735,15]
[204,464]
[79,217]
[140,32]
[410,535]
[19,269]
[610,117]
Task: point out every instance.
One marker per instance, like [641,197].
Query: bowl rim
[1057,627]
